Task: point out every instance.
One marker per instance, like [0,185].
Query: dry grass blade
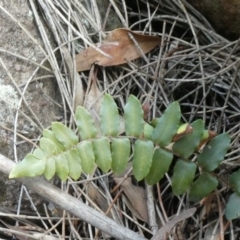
[78,92]
[194,66]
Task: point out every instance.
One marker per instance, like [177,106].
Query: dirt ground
[15,73]
[30,98]
[26,87]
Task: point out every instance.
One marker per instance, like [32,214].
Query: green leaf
[234,181]
[142,158]
[148,131]
[186,145]
[30,166]
[109,117]
[167,125]
[86,154]
[205,184]
[183,175]
[214,152]
[50,168]
[51,136]
[161,162]
[85,124]
[74,163]
[62,168]
[233,207]
[64,134]
[133,115]
[120,154]
[38,153]
[154,122]
[48,147]
[101,149]
[205,135]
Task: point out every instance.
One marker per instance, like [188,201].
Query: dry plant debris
[203,75]
[121,45]
[136,198]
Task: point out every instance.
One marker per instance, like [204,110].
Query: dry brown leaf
[163,231]
[137,198]
[98,198]
[119,45]
[209,207]
[93,98]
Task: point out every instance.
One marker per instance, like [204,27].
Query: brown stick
[71,204]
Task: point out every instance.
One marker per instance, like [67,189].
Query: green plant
[152,147]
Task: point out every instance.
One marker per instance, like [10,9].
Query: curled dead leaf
[187,128]
[119,45]
[209,136]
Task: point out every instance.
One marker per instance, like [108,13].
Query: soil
[222,14]
[38,95]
